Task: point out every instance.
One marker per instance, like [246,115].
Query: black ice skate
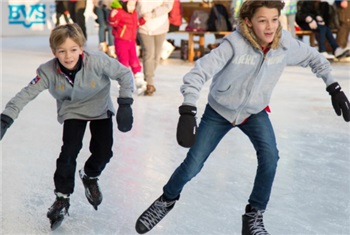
[92,190]
[253,223]
[154,214]
[57,212]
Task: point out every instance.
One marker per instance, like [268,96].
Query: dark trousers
[76,11]
[100,147]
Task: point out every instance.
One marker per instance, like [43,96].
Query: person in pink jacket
[125,22]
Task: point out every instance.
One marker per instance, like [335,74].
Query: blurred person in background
[287,17]
[76,9]
[343,11]
[314,15]
[124,20]
[102,8]
[152,35]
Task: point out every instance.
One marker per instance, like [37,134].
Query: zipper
[251,86]
[123,31]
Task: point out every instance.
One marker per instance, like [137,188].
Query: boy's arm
[304,55]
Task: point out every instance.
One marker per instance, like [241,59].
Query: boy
[80,83]
[245,68]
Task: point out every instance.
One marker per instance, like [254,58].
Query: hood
[248,34]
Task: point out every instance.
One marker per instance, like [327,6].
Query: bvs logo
[19,14]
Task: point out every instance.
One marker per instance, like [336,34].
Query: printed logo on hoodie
[245,59]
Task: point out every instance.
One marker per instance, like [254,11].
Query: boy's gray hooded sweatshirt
[88,99]
[243,77]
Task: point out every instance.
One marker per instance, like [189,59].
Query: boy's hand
[124,114]
[340,102]
[187,126]
[6,122]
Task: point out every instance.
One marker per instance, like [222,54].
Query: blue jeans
[325,33]
[102,19]
[211,130]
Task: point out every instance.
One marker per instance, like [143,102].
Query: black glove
[187,126]
[6,122]
[124,114]
[339,101]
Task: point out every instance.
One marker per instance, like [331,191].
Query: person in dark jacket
[80,83]
[76,9]
[314,15]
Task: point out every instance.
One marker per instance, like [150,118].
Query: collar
[249,35]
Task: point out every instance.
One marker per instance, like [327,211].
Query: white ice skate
[140,83]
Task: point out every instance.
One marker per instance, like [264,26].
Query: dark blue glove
[6,122]
[124,114]
[187,126]
[340,102]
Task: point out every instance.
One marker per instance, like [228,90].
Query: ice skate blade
[56,223]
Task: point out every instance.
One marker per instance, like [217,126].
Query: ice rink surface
[311,193]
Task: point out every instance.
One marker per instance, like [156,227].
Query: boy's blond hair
[59,35]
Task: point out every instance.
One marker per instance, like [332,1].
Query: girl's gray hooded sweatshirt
[88,98]
[243,77]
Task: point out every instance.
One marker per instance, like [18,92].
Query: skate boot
[141,84]
[92,190]
[57,211]
[154,214]
[252,221]
[150,90]
[111,52]
[103,47]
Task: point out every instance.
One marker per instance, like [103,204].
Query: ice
[311,193]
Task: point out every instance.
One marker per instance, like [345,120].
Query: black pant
[76,11]
[100,147]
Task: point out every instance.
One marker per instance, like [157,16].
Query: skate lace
[92,186]
[156,213]
[256,224]
[60,205]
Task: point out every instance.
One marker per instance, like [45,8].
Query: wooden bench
[311,35]
[197,39]
[196,42]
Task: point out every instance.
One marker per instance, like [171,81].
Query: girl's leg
[260,132]
[121,49]
[73,132]
[100,146]
[133,59]
[211,130]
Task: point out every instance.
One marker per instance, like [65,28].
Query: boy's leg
[211,130]
[260,132]
[73,132]
[101,152]
[100,146]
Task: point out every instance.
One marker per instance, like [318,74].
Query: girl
[125,22]
[244,68]
[80,82]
